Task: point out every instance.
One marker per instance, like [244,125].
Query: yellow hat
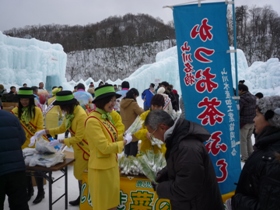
[55,91]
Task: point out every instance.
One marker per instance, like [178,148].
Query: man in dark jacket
[188,180]
[12,95]
[247,113]
[12,167]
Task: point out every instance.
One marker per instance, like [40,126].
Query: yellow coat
[102,138]
[53,115]
[32,127]
[76,140]
[146,142]
[117,119]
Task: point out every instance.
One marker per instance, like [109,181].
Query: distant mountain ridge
[114,31]
[112,63]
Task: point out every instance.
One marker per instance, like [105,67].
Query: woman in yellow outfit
[52,113]
[74,121]
[157,102]
[31,119]
[104,144]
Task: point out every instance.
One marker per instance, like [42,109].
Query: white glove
[54,142]
[128,138]
[32,141]
[40,133]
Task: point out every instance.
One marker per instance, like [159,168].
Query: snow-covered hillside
[112,63]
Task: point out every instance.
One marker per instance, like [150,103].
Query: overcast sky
[19,13]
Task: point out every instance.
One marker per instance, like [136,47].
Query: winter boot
[41,192]
[77,201]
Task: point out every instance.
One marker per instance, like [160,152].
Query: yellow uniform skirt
[104,187]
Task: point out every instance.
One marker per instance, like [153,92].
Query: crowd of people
[97,120]
[258,185]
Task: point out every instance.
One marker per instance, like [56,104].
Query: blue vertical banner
[206,84]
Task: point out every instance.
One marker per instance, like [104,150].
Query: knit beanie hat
[269,106]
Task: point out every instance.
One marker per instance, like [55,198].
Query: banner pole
[236,98]
[235,46]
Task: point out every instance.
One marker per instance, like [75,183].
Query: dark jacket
[188,180]
[181,102]
[258,187]
[10,97]
[247,105]
[12,138]
[174,100]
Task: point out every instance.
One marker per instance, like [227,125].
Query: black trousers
[39,182]
[131,149]
[14,186]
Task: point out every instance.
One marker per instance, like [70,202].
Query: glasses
[152,134]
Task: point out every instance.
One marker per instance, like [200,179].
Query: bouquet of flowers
[147,163]
[157,142]
[135,126]
[127,166]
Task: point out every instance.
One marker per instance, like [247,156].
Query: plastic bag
[43,146]
[43,155]
[28,154]
[46,160]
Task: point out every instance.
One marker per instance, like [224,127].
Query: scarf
[68,120]
[105,115]
[25,116]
